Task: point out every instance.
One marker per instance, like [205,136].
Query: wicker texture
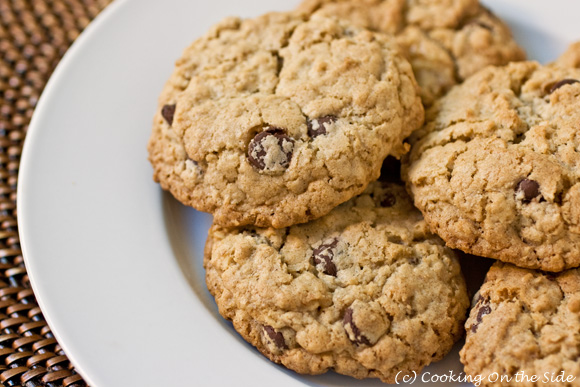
[34,34]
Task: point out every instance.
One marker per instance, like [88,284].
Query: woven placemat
[34,34]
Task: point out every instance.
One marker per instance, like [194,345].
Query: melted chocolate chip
[389,200]
[355,334]
[275,337]
[563,82]
[484,309]
[317,127]
[323,255]
[271,150]
[529,188]
[168,111]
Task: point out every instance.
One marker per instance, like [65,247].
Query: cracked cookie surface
[495,168]
[446,41]
[524,321]
[366,290]
[276,120]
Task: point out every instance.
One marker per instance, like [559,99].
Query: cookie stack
[280,125]
[495,173]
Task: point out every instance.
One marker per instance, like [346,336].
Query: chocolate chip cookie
[276,120]
[366,290]
[525,322]
[495,170]
[446,41]
[570,58]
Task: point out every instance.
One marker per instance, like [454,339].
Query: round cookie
[495,170]
[446,41]
[570,58]
[276,120]
[366,290]
[524,322]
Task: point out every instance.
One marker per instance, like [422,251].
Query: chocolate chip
[277,338]
[271,150]
[323,255]
[563,82]
[484,309]
[194,162]
[529,188]
[317,127]
[389,200]
[168,112]
[193,165]
[352,331]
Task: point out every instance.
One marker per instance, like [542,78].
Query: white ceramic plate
[114,262]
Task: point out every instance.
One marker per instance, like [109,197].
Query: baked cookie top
[524,321]
[276,120]
[495,170]
[571,57]
[446,41]
[366,290]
